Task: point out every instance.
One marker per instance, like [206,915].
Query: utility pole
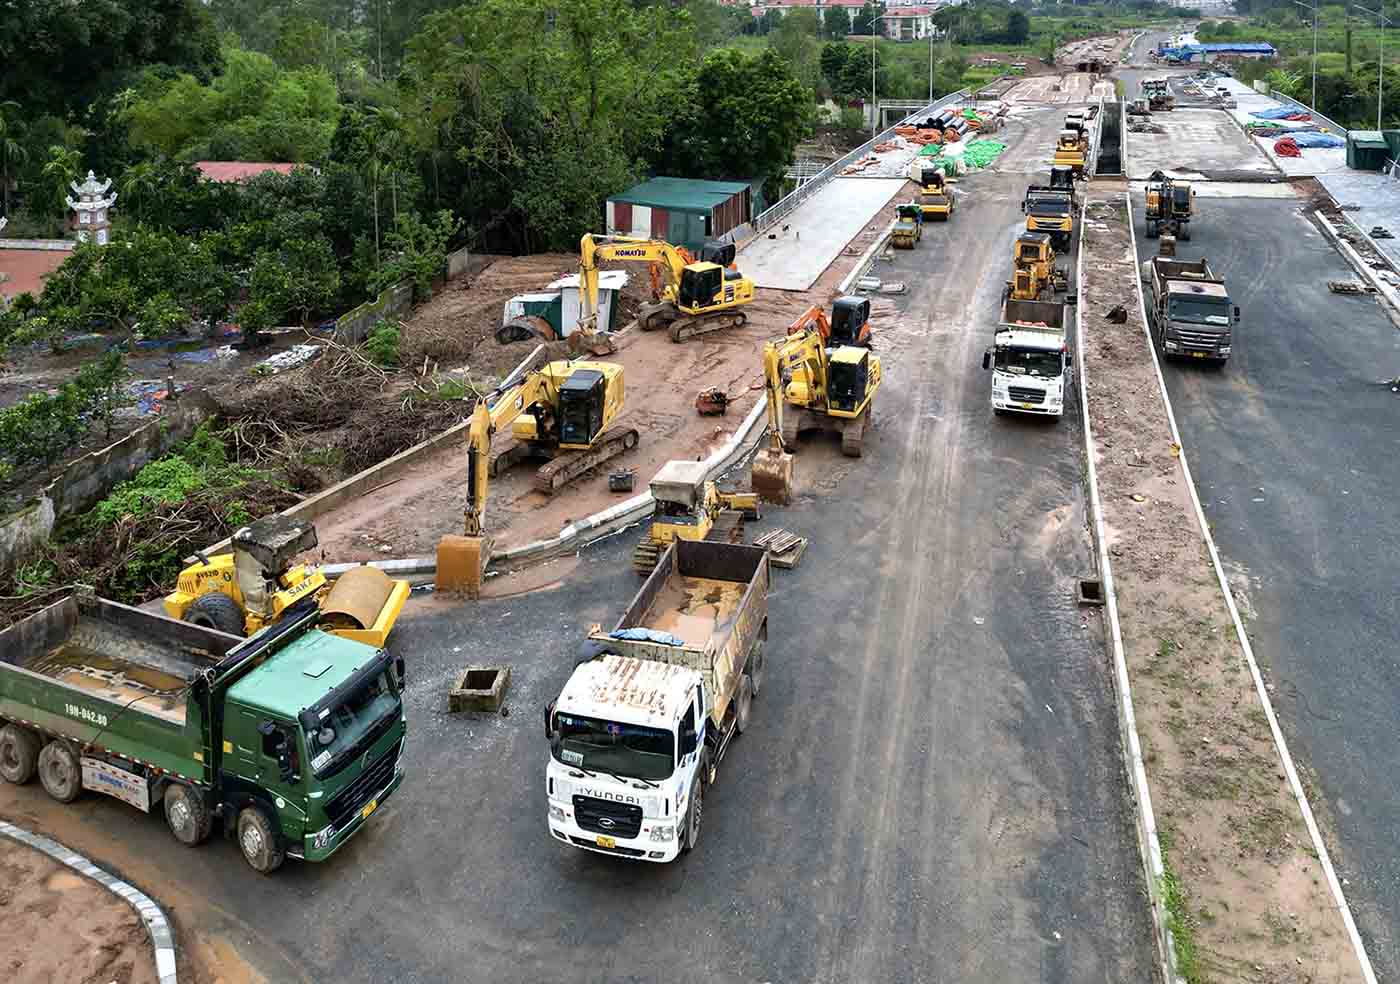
[1313,8]
[874,106]
[930,60]
[1380,67]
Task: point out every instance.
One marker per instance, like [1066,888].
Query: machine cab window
[700,283]
[849,316]
[581,407]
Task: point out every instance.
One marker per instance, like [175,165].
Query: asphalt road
[932,786]
[1293,445]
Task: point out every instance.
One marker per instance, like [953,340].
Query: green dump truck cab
[287,741]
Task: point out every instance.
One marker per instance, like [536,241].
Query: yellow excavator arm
[794,370]
[595,249]
[485,421]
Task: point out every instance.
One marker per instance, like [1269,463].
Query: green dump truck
[288,740]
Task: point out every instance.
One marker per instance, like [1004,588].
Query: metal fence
[809,188]
[1332,124]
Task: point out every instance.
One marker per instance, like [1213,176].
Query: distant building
[682,211]
[235,172]
[912,23]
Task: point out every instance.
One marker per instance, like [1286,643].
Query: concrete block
[479,688]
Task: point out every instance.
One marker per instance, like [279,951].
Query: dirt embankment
[1254,903]
[61,926]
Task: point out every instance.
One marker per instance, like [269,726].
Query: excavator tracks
[701,324]
[569,465]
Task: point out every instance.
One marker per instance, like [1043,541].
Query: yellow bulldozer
[1033,268]
[1072,150]
[811,386]
[247,590]
[699,296]
[690,507]
[563,412]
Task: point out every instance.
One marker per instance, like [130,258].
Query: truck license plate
[1027,406]
[370,807]
[608,842]
[1198,355]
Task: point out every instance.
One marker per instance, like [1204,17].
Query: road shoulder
[1243,887]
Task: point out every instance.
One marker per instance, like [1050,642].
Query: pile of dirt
[61,926]
[457,326]
[1249,891]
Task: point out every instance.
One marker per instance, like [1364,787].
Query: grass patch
[1179,920]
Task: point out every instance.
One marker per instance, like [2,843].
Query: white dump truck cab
[627,737]
[1031,371]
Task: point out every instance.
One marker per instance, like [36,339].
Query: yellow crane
[810,386]
[700,295]
[564,412]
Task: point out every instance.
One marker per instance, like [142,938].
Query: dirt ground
[661,380]
[1257,904]
[62,926]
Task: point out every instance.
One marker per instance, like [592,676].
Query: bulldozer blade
[357,598]
[772,476]
[461,562]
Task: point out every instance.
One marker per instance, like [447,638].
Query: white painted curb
[1148,845]
[1387,293]
[162,940]
[844,287]
[1324,859]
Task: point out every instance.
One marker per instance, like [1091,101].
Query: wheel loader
[247,590]
[563,412]
[688,507]
[1033,268]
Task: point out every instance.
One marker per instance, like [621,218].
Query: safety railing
[807,189]
[1332,125]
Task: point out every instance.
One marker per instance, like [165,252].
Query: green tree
[12,151]
[64,165]
[1018,27]
[833,60]
[796,43]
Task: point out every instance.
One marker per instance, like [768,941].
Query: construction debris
[785,549]
[1118,314]
[712,402]
[1349,287]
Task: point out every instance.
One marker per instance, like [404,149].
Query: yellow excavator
[244,591]
[690,507]
[810,386]
[563,412]
[1033,268]
[700,295]
[1171,203]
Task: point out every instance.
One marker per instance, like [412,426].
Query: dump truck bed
[704,607]
[86,667]
[1164,268]
[1032,316]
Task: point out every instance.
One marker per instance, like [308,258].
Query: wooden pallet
[785,549]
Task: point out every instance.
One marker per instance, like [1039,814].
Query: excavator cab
[701,283]
[849,377]
[850,321]
[581,408]
[715,252]
[1062,177]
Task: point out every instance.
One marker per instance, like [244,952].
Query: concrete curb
[1388,295]
[844,287]
[162,940]
[1320,848]
[1148,845]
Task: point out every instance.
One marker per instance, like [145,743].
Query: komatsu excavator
[700,296]
[810,386]
[849,323]
[1171,203]
[564,412]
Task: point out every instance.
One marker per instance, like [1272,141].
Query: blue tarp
[647,635]
[1317,140]
[1277,113]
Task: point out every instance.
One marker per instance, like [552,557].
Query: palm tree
[11,150]
[63,167]
[385,139]
[140,181]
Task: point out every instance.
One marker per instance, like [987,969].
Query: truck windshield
[627,750]
[1047,206]
[1201,310]
[1029,362]
[353,723]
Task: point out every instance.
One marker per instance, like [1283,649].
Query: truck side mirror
[1237,312]
[1069,358]
[549,720]
[987,359]
[688,741]
[399,671]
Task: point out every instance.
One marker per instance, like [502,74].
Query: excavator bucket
[772,475]
[461,562]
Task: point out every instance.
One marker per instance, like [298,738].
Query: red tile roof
[232,171]
[26,268]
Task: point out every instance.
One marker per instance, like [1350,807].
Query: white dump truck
[637,734]
[1030,361]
